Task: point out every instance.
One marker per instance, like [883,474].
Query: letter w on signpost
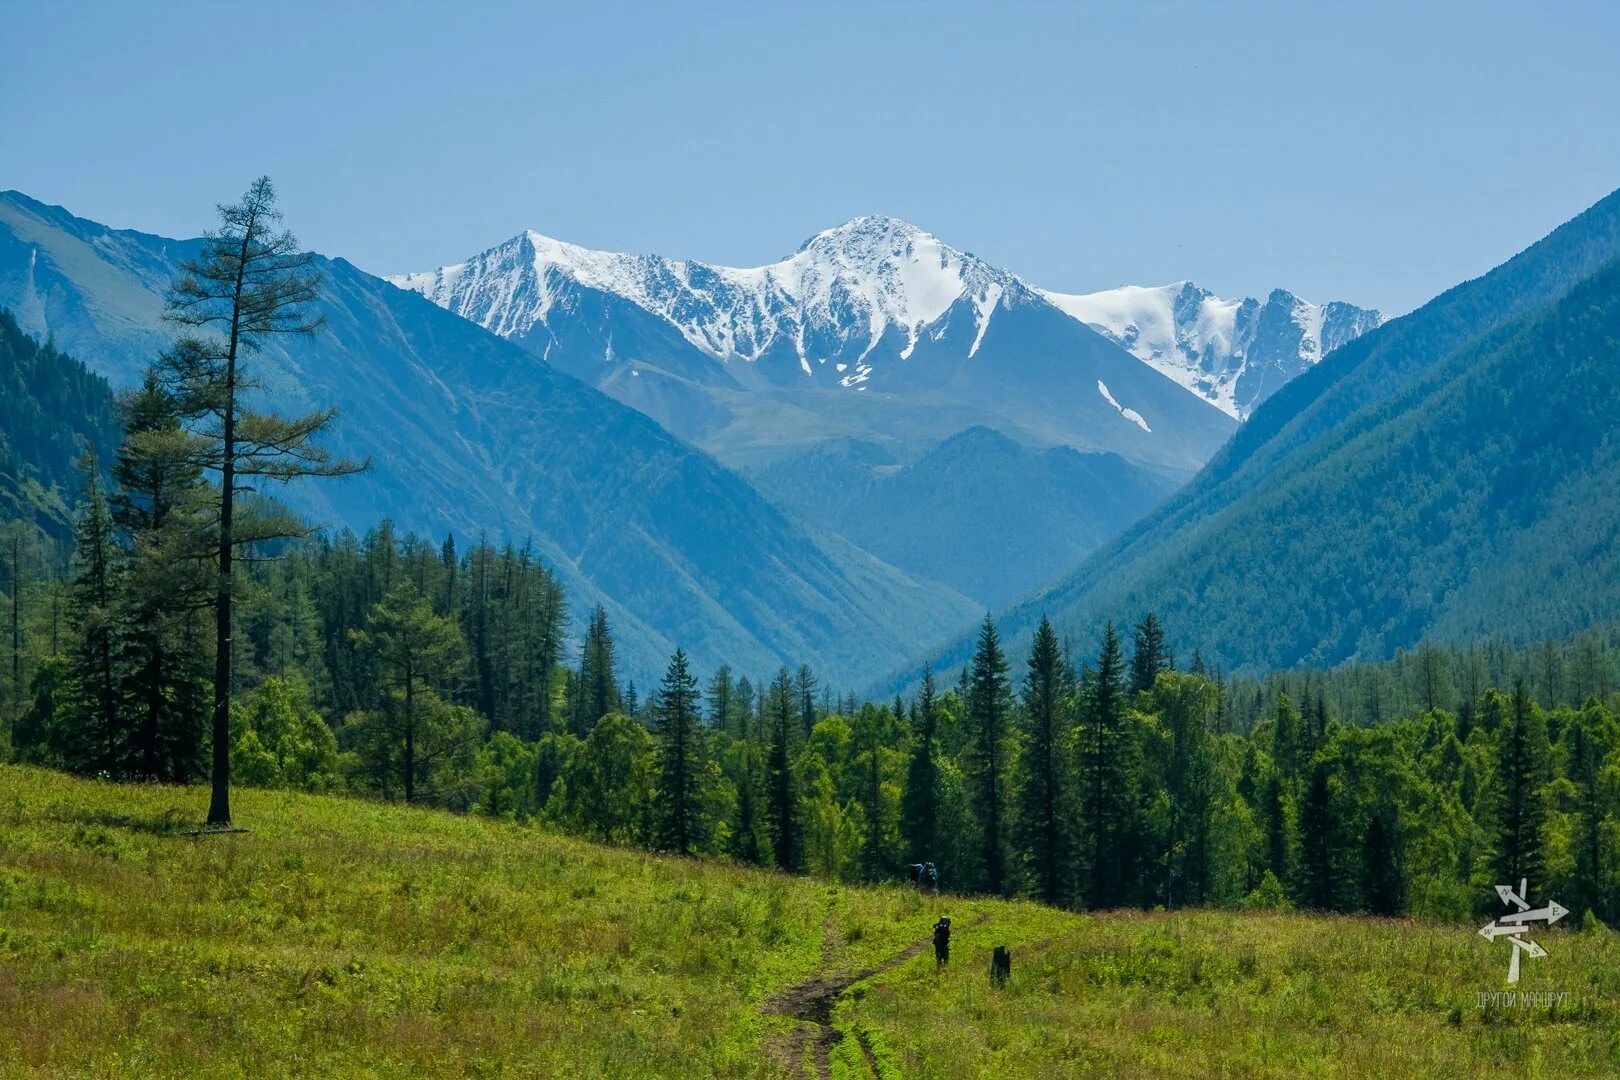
[1516,925]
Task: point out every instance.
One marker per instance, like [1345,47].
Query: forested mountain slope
[1278,534]
[52,409]
[471,434]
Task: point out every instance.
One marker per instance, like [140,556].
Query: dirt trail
[812,1002]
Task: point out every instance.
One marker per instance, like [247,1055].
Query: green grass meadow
[345,938]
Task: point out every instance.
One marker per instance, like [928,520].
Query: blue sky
[1367,152]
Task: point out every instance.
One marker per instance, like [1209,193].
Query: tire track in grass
[813,1000]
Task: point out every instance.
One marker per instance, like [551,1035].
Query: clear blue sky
[1358,151]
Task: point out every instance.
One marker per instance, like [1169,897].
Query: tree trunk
[219,802]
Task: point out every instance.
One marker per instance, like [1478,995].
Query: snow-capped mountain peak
[834,298]
[1234,353]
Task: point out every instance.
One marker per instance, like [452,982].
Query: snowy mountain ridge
[846,286]
[845,290]
[1233,353]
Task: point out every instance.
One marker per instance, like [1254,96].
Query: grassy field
[344,938]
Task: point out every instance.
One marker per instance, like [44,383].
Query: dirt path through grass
[812,1002]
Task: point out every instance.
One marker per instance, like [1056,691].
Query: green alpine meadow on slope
[339,937]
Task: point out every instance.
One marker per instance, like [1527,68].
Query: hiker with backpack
[942,941]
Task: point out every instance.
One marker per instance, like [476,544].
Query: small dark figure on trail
[942,940]
[919,874]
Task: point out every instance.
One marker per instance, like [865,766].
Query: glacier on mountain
[1233,353]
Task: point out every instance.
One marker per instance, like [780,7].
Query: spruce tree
[1107,809]
[749,840]
[919,802]
[1288,739]
[1319,841]
[682,759]
[985,768]
[747,727]
[160,507]
[804,686]
[1044,824]
[598,683]
[872,731]
[1274,811]
[722,702]
[1149,656]
[249,283]
[1383,874]
[14,591]
[95,739]
[1186,707]
[1522,768]
[550,624]
[1589,741]
[416,651]
[781,779]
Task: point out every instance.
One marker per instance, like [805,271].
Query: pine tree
[1149,656]
[782,785]
[1522,766]
[985,767]
[682,759]
[1043,826]
[248,284]
[919,802]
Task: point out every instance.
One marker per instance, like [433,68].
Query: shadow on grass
[171,822]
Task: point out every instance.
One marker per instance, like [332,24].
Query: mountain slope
[1346,432]
[981,513]
[468,433]
[1235,353]
[52,409]
[875,307]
